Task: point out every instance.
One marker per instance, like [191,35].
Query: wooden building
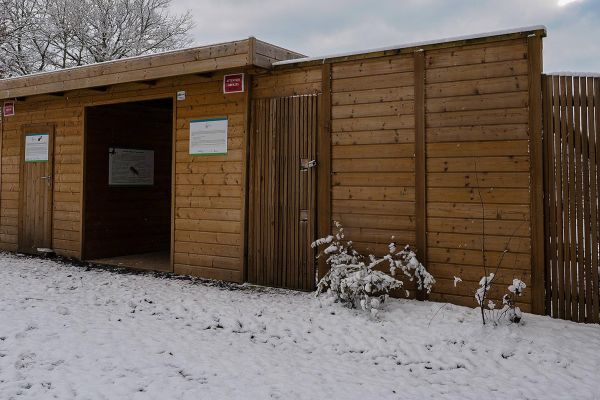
[433,143]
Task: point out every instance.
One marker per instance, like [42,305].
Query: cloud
[562,3]
[319,27]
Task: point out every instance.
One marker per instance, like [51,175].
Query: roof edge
[423,45]
[120,60]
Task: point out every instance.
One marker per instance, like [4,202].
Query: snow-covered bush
[353,278]
[509,311]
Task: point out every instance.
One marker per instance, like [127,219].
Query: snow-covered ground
[68,332]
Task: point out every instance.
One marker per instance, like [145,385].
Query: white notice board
[208,137]
[36,147]
[130,167]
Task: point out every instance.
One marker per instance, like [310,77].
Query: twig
[436,313]
[506,248]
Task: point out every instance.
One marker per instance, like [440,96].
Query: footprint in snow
[25,360]
[62,310]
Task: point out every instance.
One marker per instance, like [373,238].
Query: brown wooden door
[282,192]
[35,222]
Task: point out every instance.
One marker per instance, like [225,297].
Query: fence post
[324,164]
[420,161]
[534,57]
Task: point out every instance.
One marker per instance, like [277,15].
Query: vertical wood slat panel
[571,123]
[284,132]
[565,198]
[593,203]
[570,265]
[595,195]
[558,265]
[585,259]
[578,279]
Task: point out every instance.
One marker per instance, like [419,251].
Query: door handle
[48,179]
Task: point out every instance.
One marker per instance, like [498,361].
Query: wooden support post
[324,164]
[534,57]
[420,161]
[249,121]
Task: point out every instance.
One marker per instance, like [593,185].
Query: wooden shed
[226,161]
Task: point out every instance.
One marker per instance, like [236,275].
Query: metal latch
[305,164]
[47,179]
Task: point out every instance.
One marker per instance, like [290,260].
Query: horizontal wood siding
[373,150]
[209,190]
[265,54]
[287,83]
[68,122]
[477,148]
[477,151]
[476,139]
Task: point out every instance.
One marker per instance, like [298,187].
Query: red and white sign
[233,83]
[8,109]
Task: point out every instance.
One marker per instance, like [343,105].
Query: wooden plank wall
[210,192]
[373,150]
[477,116]
[476,106]
[68,122]
[572,177]
[476,126]
[264,54]
[297,81]
[235,54]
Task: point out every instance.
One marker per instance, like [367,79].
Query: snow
[571,73]
[415,44]
[69,332]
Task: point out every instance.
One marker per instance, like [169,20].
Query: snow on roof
[569,73]
[417,44]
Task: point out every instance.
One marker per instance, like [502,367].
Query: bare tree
[24,49]
[64,23]
[120,28]
[43,35]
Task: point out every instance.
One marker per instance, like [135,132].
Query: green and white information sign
[36,147]
[208,137]
[130,167]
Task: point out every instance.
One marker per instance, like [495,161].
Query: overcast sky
[321,27]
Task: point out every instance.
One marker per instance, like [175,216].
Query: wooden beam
[324,163]
[420,161]
[252,50]
[534,57]
[246,174]
[199,60]
[144,68]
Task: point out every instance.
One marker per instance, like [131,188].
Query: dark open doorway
[128,173]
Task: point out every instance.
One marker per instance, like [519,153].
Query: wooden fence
[572,182]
